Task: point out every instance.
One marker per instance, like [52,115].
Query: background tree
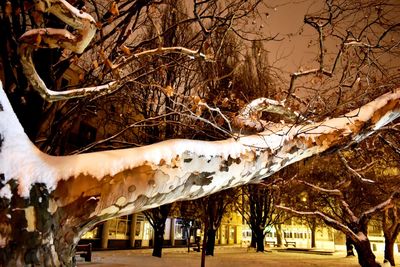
[378,160]
[301,196]
[391,229]
[351,56]
[348,202]
[189,212]
[157,218]
[209,211]
[258,209]
[215,207]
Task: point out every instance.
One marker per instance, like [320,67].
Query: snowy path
[224,257]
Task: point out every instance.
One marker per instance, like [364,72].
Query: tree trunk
[260,240]
[34,233]
[278,230]
[210,242]
[349,247]
[158,239]
[253,242]
[389,244]
[313,242]
[313,228]
[204,244]
[35,253]
[366,257]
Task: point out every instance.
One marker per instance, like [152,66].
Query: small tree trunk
[210,242]
[366,257]
[260,240]
[349,247]
[389,245]
[313,243]
[253,242]
[278,228]
[313,229]
[158,240]
[204,244]
[187,228]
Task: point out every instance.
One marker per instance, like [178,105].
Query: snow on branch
[85,29]
[331,192]
[326,218]
[389,203]
[353,171]
[335,193]
[160,51]
[130,180]
[249,116]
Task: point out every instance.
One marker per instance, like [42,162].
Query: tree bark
[210,242]
[389,246]
[349,247]
[259,234]
[253,241]
[36,234]
[313,229]
[366,257]
[278,229]
[204,244]
[158,239]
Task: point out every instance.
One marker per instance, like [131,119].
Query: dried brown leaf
[169,91]
[125,50]
[114,9]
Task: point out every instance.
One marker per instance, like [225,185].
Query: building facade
[135,231]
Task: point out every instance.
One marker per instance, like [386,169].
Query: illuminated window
[179,230]
[119,228]
[232,233]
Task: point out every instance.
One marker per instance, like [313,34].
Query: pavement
[223,257]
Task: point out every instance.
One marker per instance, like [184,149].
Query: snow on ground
[224,257]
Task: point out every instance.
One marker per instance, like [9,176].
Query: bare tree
[157,218]
[355,227]
[376,161]
[213,208]
[346,198]
[356,53]
[259,210]
[391,230]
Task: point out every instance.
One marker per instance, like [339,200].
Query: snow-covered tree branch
[118,182]
[345,220]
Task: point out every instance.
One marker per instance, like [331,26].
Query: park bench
[84,251]
[290,243]
[271,243]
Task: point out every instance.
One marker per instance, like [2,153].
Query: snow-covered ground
[224,257]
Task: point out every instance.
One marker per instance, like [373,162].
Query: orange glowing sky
[286,19]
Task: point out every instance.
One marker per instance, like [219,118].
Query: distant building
[134,231]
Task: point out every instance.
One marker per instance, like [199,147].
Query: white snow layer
[21,160]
